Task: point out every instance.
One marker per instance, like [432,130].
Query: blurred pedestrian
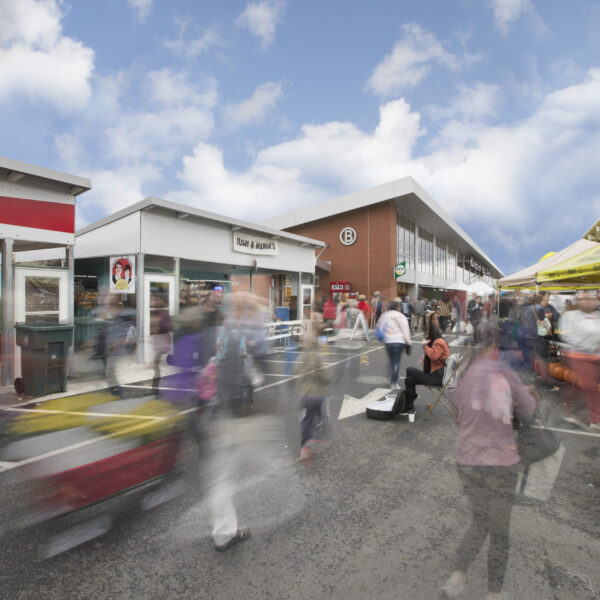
[444,310]
[314,379]
[488,395]
[419,309]
[396,336]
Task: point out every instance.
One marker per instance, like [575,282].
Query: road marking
[83,414]
[162,389]
[78,445]
[354,406]
[326,366]
[573,431]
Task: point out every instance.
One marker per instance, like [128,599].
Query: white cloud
[36,60]
[261,19]
[507,12]
[174,88]
[471,103]
[112,190]
[410,61]
[255,108]
[516,187]
[192,48]
[142,7]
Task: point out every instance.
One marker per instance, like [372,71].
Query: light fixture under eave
[235,227]
[76,190]
[274,237]
[182,216]
[15,176]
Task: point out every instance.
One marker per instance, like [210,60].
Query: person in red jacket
[365,307]
[436,352]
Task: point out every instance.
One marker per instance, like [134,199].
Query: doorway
[41,295]
[159,302]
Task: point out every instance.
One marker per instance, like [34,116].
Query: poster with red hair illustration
[122,274]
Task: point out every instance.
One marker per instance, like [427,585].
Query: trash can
[44,349]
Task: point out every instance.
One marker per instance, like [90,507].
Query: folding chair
[448,383]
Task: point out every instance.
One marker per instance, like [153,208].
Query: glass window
[425,255]
[41,299]
[440,259]
[451,264]
[406,241]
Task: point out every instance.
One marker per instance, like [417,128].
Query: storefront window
[425,256]
[41,299]
[406,241]
[440,259]
[451,265]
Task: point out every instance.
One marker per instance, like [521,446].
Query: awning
[527,277]
[583,268]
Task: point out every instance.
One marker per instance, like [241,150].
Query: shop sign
[348,236]
[399,270]
[340,286]
[252,244]
[122,274]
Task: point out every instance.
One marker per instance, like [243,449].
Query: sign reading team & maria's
[252,244]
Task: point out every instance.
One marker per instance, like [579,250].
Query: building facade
[369,233]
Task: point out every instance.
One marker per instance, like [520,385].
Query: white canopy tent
[481,288]
[526,277]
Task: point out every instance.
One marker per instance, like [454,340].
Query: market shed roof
[183,212]
[411,200]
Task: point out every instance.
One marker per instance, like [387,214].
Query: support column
[70,263]
[140,306]
[176,270]
[8,313]
[250,282]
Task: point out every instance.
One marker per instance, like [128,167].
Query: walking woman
[396,336]
[436,352]
[489,394]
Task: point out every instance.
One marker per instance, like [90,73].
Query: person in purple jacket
[488,395]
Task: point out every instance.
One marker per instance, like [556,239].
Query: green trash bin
[44,351]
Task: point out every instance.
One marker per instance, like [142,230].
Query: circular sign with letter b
[348,236]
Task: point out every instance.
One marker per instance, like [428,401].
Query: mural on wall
[122,274]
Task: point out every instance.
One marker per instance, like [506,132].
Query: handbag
[534,443]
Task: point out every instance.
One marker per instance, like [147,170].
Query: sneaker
[407,410]
[305,453]
[454,586]
[243,533]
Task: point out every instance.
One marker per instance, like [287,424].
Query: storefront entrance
[159,300]
[41,295]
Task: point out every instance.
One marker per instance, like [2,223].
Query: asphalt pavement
[377,513]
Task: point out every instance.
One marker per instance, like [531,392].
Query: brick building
[369,232]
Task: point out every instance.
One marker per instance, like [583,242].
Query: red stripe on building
[52,216]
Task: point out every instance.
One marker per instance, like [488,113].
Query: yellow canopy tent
[582,270]
[526,278]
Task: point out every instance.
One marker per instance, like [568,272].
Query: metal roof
[19,170]
[183,211]
[412,201]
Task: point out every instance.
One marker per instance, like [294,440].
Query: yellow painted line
[84,414]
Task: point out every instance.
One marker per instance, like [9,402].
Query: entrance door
[308,299]
[40,295]
[159,300]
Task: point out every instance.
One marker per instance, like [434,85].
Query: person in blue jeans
[315,376]
[396,336]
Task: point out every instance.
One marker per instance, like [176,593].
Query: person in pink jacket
[396,336]
[489,394]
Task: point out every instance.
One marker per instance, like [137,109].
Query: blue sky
[252,109]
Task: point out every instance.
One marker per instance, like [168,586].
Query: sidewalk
[131,372]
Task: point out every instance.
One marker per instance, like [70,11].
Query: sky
[253,109]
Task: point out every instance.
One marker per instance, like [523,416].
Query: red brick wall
[368,263]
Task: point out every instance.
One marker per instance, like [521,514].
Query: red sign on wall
[340,286]
[51,216]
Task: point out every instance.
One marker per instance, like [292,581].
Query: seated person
[434,360]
